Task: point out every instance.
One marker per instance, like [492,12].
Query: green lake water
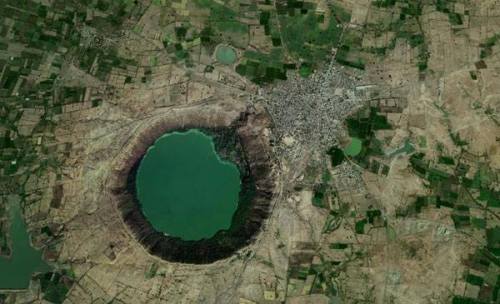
[185,189]
[16,271]
[354,147]
[225,54]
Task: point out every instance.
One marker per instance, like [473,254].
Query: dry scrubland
[413,218]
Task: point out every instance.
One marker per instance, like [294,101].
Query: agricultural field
[366,134]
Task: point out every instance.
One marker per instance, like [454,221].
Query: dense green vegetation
[303,37]
[322,191]
[336,156]
[373,217]
[305,69]
[224,24]
[152,271]
[318,199]
[55,285]
[384,3]
[446,6]
[474,280]
[363,125]
[222,17]
[487,46]
[339,246]
[360,226]
[307,38]
[5,249]
[263,68]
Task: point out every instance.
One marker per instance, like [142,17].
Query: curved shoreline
[203,132]
[257,186]
[150,208]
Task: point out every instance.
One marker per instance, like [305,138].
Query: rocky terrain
[412,218]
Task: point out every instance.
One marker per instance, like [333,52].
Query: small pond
[225,54]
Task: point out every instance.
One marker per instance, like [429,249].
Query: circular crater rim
[254,161]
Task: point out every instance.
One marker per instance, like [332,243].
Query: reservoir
[185,189]
[16,271]
[225,54]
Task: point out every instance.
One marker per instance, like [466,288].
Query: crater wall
[245,135]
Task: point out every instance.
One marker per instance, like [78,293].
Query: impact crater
[238,147]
